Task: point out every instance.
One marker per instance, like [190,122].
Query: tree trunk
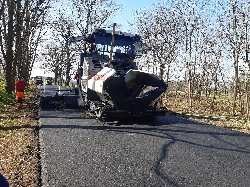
[247,100]
[247,62]
[9,53]
[236,81]
[68,62]
[236,60]
[17,56]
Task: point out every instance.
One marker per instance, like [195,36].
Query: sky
[122,18]
[128,7]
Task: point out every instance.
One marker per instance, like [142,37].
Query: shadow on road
[174,130]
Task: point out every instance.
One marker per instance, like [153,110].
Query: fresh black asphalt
[79,151]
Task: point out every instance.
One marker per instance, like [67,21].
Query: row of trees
[204,44]
[75,18]
[21,27]
[40,30]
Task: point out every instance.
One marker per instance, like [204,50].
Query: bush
[4,97]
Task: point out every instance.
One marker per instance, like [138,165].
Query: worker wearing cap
[19,88]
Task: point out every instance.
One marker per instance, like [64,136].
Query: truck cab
[38,80]
[48,80]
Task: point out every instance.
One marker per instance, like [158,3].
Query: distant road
[79,151]
[49,90]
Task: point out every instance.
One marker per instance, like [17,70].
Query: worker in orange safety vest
[19,89]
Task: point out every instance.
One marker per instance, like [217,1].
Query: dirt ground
[19,150]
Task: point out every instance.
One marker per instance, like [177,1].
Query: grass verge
[202,111]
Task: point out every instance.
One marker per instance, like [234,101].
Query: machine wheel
[98,113]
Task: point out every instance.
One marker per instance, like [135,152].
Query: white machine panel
[96,82]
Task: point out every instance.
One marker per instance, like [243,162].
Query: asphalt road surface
[78,151]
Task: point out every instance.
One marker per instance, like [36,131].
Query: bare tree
[94,13]
[64,28]
[234,38]
[81,18]
[54,56]
[7,36]
[20,28]
[160,29]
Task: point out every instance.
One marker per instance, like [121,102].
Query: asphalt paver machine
[109,83]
